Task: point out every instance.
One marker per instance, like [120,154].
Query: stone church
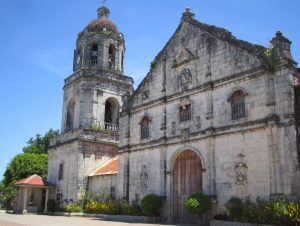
[214,114]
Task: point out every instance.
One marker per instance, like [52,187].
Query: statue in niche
[144,177]
[145,95]
[241,169]
[184,78]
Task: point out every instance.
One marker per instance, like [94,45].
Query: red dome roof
[102,22]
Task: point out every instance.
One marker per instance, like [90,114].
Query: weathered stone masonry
[214,114]
[255,155]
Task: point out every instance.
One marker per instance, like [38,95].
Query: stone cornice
[208,133]
[105,75]
[85,135]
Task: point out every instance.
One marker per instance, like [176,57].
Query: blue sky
[38,38]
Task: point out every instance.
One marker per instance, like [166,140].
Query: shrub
[234,207]
[74,208]
[198,204]
[277,212]
[151,204]
[103,207]
[133,210]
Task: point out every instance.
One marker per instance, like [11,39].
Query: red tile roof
[108,168]
[33,180]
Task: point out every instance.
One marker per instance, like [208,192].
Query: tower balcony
[109,135]
[111,127]
[91,63]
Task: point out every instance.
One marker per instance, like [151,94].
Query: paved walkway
[40,220]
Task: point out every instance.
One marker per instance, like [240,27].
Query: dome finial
[103,11]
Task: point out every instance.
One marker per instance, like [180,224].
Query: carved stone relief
[241,169]
[198,122]
[185,134]
[145,95]
[184,78]
[173,125]
[184,57]
[144,178]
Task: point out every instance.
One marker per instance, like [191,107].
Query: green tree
[40,144]
[34,160]
[24,165]
[21,166]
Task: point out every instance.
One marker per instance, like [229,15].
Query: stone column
[46,200]
[24,209]
[169,187]
[19,206]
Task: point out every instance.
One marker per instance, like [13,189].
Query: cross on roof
[103,2]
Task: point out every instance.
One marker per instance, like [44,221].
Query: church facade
[214,114]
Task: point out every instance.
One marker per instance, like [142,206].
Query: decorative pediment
[184,57]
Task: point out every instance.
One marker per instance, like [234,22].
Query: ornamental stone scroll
[241,169]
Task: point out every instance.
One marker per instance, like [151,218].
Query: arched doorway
[187,179]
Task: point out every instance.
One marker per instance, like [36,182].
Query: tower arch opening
[70,115]
[111,56]
[111,118]
[94,55]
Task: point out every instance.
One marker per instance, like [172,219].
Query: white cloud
[55,61]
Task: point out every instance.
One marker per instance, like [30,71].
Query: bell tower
[100,45]
[91,105]
[92,95]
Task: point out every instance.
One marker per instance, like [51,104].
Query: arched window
[185,113]
[238,105]
[111,56]
[111,114]
[70,115]
[94,55]
[145,128]
[185,110]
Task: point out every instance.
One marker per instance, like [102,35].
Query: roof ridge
[226,35]
[29,178]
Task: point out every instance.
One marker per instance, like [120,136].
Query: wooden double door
[187,179]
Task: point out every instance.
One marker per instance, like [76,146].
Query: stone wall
[255,155]
[80,154]
[69,155]
[220,155]
[101,186]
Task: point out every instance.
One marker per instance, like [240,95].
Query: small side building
[103,181]
[33,195]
